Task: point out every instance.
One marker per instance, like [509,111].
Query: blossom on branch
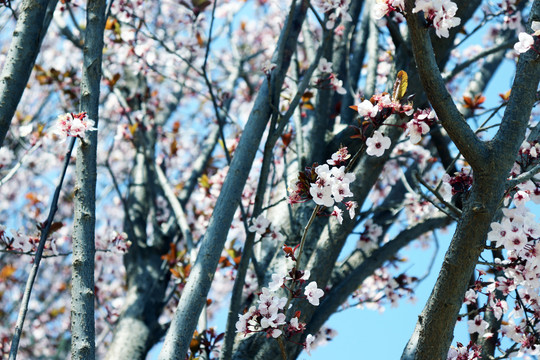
[439,13]
[385,7]
[313,293]
[75,125]
[420,124]
[525,43]
[478,325]
[260,225]
[377,144]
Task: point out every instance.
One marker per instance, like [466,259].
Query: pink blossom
[259,225]
[313,293]
[470,297]
[325,66]
[440,13]
[377,144]
[338,213]
[308,344]
[367,109]
[6,156]
[75,125]
[339,157]
[525,43]
[478,325]
[351,206]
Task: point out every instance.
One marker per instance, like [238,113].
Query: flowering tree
[268,159]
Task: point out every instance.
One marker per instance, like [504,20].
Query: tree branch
[37,259]
[466,141]
[195,292]
[358,267]
[30,30]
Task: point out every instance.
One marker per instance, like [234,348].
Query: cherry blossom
[6,156]
[420,124]
[339,157]
[33,145]
[338,9]
[383,7]
[377,144]
[295,325]
[338,213]
[478,325]
[337,85]
[470,297]
[260,225]
[309,343]
[370,236]
[440,13]
[325,66]
[313,293]
[273,233]
[277,281]
[469,352]
[351,207]
[367,109]
[332,185]
[526,42]
[264,318]
[75,125]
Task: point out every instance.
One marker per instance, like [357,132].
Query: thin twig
[437,194]
[13,170]
[33,272]
[460,67]
[178,211]
[523,177]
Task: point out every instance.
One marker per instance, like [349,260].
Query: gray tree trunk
[82,291]
[33,22]
[195,292]
[491,163]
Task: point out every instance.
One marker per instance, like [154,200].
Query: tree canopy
[162,162]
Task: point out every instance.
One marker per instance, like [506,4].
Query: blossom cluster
[328,77]
[119,242]
[518,234]
[369,237]
[340,7]
[461,182]
[512,17]
[331,186]
[528,41]
[381,106]
[263,227]
[266,317]
[326,185]
[529,155]
[461,352]
[373,113]
[382,287]
[75,125]
[420,124]
[441,14]
[269,314]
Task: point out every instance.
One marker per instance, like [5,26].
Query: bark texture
[34,20]
[491,163]
[82,291]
